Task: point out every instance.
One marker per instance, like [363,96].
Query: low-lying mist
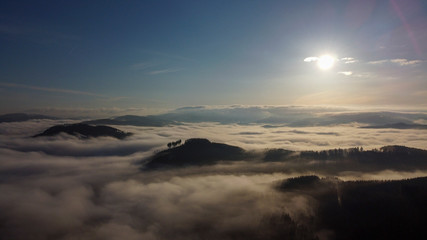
[63,187]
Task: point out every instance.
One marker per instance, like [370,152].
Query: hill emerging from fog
[196,151]
[199,152]
[84,131]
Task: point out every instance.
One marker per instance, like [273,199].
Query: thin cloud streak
[162,54]
[400,61]
[45,89]
[348,60]
[311,59]
[348,73]
[141,66]
[163,71]
[404,62]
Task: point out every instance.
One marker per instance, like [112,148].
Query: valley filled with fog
[67,187]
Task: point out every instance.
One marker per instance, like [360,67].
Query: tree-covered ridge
[196,151]
[356,153]
[84,131]
[203,152]
[365,209]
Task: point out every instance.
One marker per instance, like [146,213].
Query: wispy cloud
[404,62]
[141,66]
[347,73]
[399,61]
[57,90]
[379,61]
[163,71]
[167,55]
[348,60]
[311,59]
[150,68]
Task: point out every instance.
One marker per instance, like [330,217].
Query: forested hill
[196,151]
[364,209]
[84,131]
[204,152]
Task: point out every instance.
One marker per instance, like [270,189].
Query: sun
[325,62]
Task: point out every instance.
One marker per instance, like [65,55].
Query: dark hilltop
[196,151]
[84,131]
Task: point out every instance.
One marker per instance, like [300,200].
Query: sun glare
[325,62]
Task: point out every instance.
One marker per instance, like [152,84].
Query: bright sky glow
[325,62]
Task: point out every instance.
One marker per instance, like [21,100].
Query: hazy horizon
[108,112]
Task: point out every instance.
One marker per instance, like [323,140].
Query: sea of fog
[63,187]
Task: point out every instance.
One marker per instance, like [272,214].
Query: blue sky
[166,54]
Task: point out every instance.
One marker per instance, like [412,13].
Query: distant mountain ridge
[292,116]
[21,117]
[399,125]
[269,116]
[84,131]
[133,120]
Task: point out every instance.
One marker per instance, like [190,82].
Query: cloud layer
[65,188]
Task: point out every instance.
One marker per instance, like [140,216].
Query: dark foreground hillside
[365,209]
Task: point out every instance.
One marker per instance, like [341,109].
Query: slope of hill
[84,131]
[204,152]
[196,151]
[365,209]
